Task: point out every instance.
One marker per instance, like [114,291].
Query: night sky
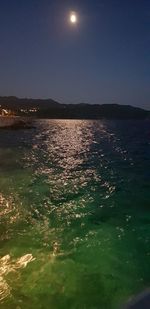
[104,58]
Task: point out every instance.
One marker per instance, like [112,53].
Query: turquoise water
[75,214]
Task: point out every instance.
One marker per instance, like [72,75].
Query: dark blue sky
[104,59]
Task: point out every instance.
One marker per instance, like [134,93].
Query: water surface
[75,214]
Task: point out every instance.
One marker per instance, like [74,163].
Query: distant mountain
[51,109]
[17,103]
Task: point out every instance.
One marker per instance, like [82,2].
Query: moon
[73,18]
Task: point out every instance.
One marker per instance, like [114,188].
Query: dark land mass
[49,108]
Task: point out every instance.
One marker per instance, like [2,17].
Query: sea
[75,214]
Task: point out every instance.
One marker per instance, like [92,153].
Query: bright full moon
[73,18]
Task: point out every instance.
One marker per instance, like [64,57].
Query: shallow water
[75,214]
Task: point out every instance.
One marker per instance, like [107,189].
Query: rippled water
[75,214]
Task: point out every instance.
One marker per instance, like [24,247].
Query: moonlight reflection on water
[71,199]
